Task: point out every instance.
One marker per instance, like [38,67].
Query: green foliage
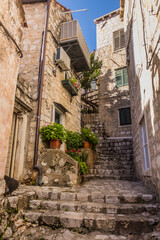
[90,137]
[79,157]
[52,132]
[74,83]
[92,74]
[73,140]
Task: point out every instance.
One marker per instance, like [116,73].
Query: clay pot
[55,143]
[87,145]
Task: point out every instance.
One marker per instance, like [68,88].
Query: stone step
[118,223]
[98,197]
[129,177]
[112,166]
[111,173]
[93,207]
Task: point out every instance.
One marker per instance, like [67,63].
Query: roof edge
[32,1]
[108,15]
[122,3]
[40,1]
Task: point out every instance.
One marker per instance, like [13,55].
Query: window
[121,76]
[125,116]
[144,144]
[118,39]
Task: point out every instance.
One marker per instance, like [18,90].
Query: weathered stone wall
[29,68]
[59,169]
[144,78]
[12,17]
[111,98]
[53,90]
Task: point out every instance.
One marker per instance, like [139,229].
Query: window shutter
[125,76]
[116,40]
[122,39]
[118,75]
[125,116]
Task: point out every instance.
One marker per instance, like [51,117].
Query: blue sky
[96,8]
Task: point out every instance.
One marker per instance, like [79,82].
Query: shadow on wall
[150,110]
[111,99]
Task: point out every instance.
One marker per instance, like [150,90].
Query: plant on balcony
[53,132]
[92,74]
[89,137]
[74,83]
[73,140]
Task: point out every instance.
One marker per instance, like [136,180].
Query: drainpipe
[35,166]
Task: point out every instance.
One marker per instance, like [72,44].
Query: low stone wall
[58,168]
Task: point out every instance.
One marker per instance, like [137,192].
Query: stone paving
[96,210]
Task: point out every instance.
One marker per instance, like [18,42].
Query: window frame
[119,117]
[120,40]
[122,77]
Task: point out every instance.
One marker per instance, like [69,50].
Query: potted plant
[90,140]
[55,133]
[73,140]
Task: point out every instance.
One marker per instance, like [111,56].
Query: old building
[54,50]
[12,21]
[142,28]
[114,100]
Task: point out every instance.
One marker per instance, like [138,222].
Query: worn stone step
[93,221]
[111,172]
[88,177]
[95,196]
[93,207]
[112,165]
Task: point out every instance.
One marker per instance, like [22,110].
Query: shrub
[52,132]
[88,136]
[73,140]
[79,157]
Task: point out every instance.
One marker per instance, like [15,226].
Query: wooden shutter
[116,39]
[118,75]
[122,39]
[125,116]
[125,76]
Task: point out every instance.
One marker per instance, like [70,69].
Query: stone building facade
[142,28]
[38,69]
[114,100]
[12,21]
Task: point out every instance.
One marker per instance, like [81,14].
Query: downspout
[35,166]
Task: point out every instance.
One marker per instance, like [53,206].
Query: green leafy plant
[74,83]
[77,155]
[89,136]
[73,140]
[92,74]
[52,132]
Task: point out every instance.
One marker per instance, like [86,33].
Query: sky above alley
[96,8]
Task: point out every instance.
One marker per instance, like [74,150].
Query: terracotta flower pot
[87,145]
[55,143]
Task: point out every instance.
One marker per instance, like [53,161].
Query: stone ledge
[58,168]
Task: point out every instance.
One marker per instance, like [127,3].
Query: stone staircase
[112,207]
[114,160]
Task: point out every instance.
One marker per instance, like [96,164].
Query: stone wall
[144,78]
[12,17]
[53,90]
[111,98]
[29,68]
[59,169]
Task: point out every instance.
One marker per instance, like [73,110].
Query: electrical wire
[12,39]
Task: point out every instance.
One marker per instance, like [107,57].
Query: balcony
[73,42]
[69,87]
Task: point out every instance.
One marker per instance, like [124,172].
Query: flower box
[69,87]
